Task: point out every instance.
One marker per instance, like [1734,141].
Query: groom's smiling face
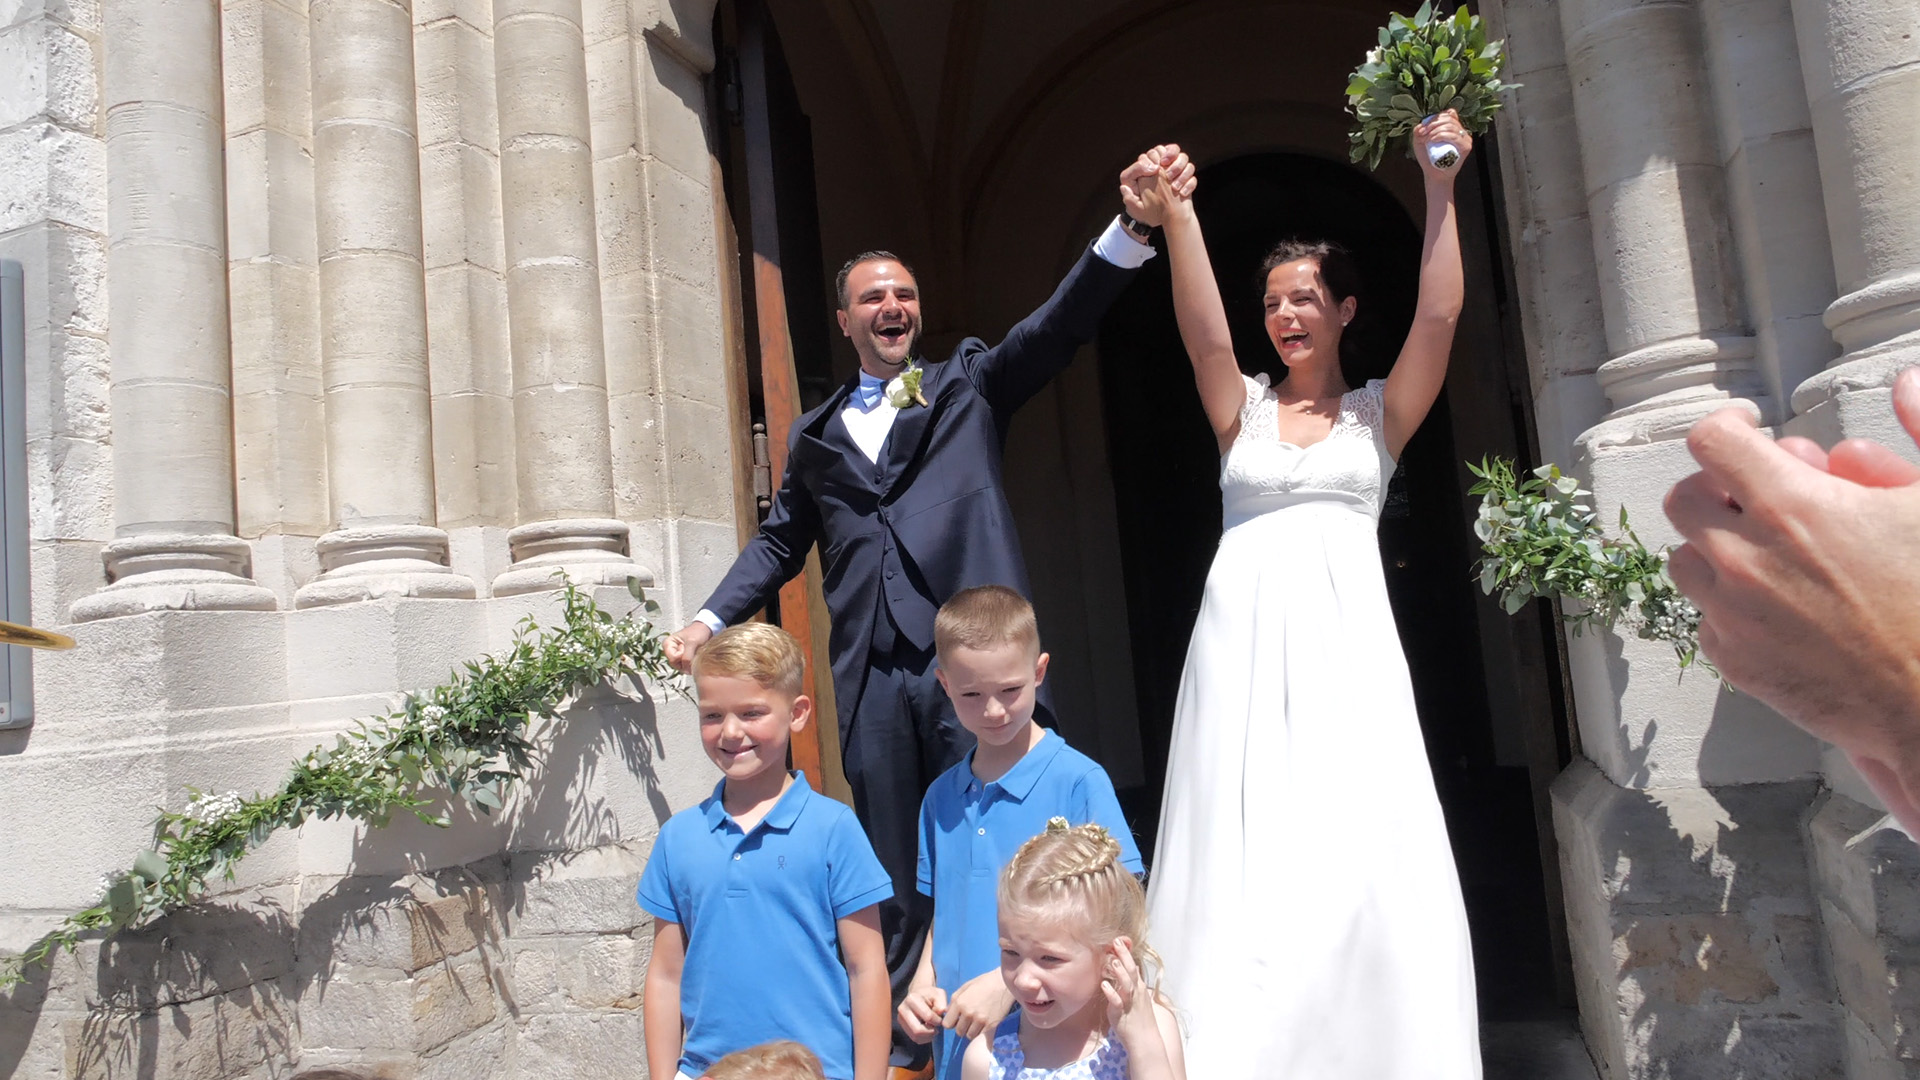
[882,316]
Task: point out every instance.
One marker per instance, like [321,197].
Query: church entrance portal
[981,144]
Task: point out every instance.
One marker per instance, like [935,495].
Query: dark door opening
[1166,471]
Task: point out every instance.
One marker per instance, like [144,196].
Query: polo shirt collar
[1019,780]
[784,813]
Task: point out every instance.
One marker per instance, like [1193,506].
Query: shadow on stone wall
[423,972]
[1697,941]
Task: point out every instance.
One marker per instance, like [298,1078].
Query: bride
[1304,895]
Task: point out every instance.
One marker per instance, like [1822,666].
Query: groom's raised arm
[1041,345]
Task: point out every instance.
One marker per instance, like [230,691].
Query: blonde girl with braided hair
[1073,952]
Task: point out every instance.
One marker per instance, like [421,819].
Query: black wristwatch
[1140,229]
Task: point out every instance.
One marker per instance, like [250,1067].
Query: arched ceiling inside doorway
[951,129]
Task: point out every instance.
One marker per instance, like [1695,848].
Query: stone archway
[984,145]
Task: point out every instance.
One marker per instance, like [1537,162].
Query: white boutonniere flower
[904,389]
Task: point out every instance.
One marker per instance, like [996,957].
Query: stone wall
[512,940]
[1699,194]
[349,323]
[529,965]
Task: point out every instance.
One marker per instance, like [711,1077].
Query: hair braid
[1072,876]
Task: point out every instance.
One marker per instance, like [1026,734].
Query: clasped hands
[1805,565]
[979,1004]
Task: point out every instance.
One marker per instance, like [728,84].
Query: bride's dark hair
[1342,275]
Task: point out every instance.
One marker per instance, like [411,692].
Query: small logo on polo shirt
[783,862]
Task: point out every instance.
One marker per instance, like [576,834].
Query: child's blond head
[783,1060]
[761,652]
[985,617]
[1072,877]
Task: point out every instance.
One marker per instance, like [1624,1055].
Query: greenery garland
[1422,66]
[1541,540]
[469,737]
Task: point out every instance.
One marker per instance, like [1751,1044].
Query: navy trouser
[903,734]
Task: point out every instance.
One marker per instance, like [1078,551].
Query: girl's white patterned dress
[1107,1062]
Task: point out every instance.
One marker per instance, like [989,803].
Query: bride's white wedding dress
[1304,897]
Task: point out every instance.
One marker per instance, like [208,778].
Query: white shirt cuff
[1121,248]
[713,621]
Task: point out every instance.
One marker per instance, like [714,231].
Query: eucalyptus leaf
[150,865]
[1425,65]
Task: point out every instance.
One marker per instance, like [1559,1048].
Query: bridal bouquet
[1422,66]
[1541,540]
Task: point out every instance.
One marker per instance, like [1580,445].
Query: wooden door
[767,166]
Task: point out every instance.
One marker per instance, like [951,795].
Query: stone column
[630,273]
[373,312]
[1546,194]
[1773,186]
[1658,199]
[273,281]
[467,354]
[1861,63]
[174,545]
[564,465]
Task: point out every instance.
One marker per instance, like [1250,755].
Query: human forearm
[923,974]
[1442,278]
[1202,318]
[664,1034]
[871,993]
[872,1021]
[660,1002]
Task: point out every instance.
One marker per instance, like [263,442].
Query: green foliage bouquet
[1422,66]
[1541,540]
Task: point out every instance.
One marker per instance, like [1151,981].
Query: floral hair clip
[1057,824]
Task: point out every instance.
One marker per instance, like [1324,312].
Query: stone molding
[380,561]
[591,551]
[175,572]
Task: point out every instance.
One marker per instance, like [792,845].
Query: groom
[903,494]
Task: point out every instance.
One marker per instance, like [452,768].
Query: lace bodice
[1350,467]
[1107,1062]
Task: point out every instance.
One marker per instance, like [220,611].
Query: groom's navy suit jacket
[897,539]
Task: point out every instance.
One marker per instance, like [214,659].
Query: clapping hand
[1802,563]
[1441,128]
[1154,182]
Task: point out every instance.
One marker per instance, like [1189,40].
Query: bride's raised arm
[1421,369]
[1152,198]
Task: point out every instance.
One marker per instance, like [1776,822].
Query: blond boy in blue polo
[978,813]
[763,896]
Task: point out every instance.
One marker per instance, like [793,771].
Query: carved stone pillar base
[1879,327]
[590,551]
[1658,391]
[175,572]
[383,561]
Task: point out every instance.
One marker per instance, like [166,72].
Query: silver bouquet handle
[1443,155]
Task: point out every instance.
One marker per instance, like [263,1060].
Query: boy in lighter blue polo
[978,813]
[764,896]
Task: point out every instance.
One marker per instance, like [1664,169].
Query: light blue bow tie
[870,393]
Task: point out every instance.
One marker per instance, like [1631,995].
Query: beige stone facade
[350,321]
